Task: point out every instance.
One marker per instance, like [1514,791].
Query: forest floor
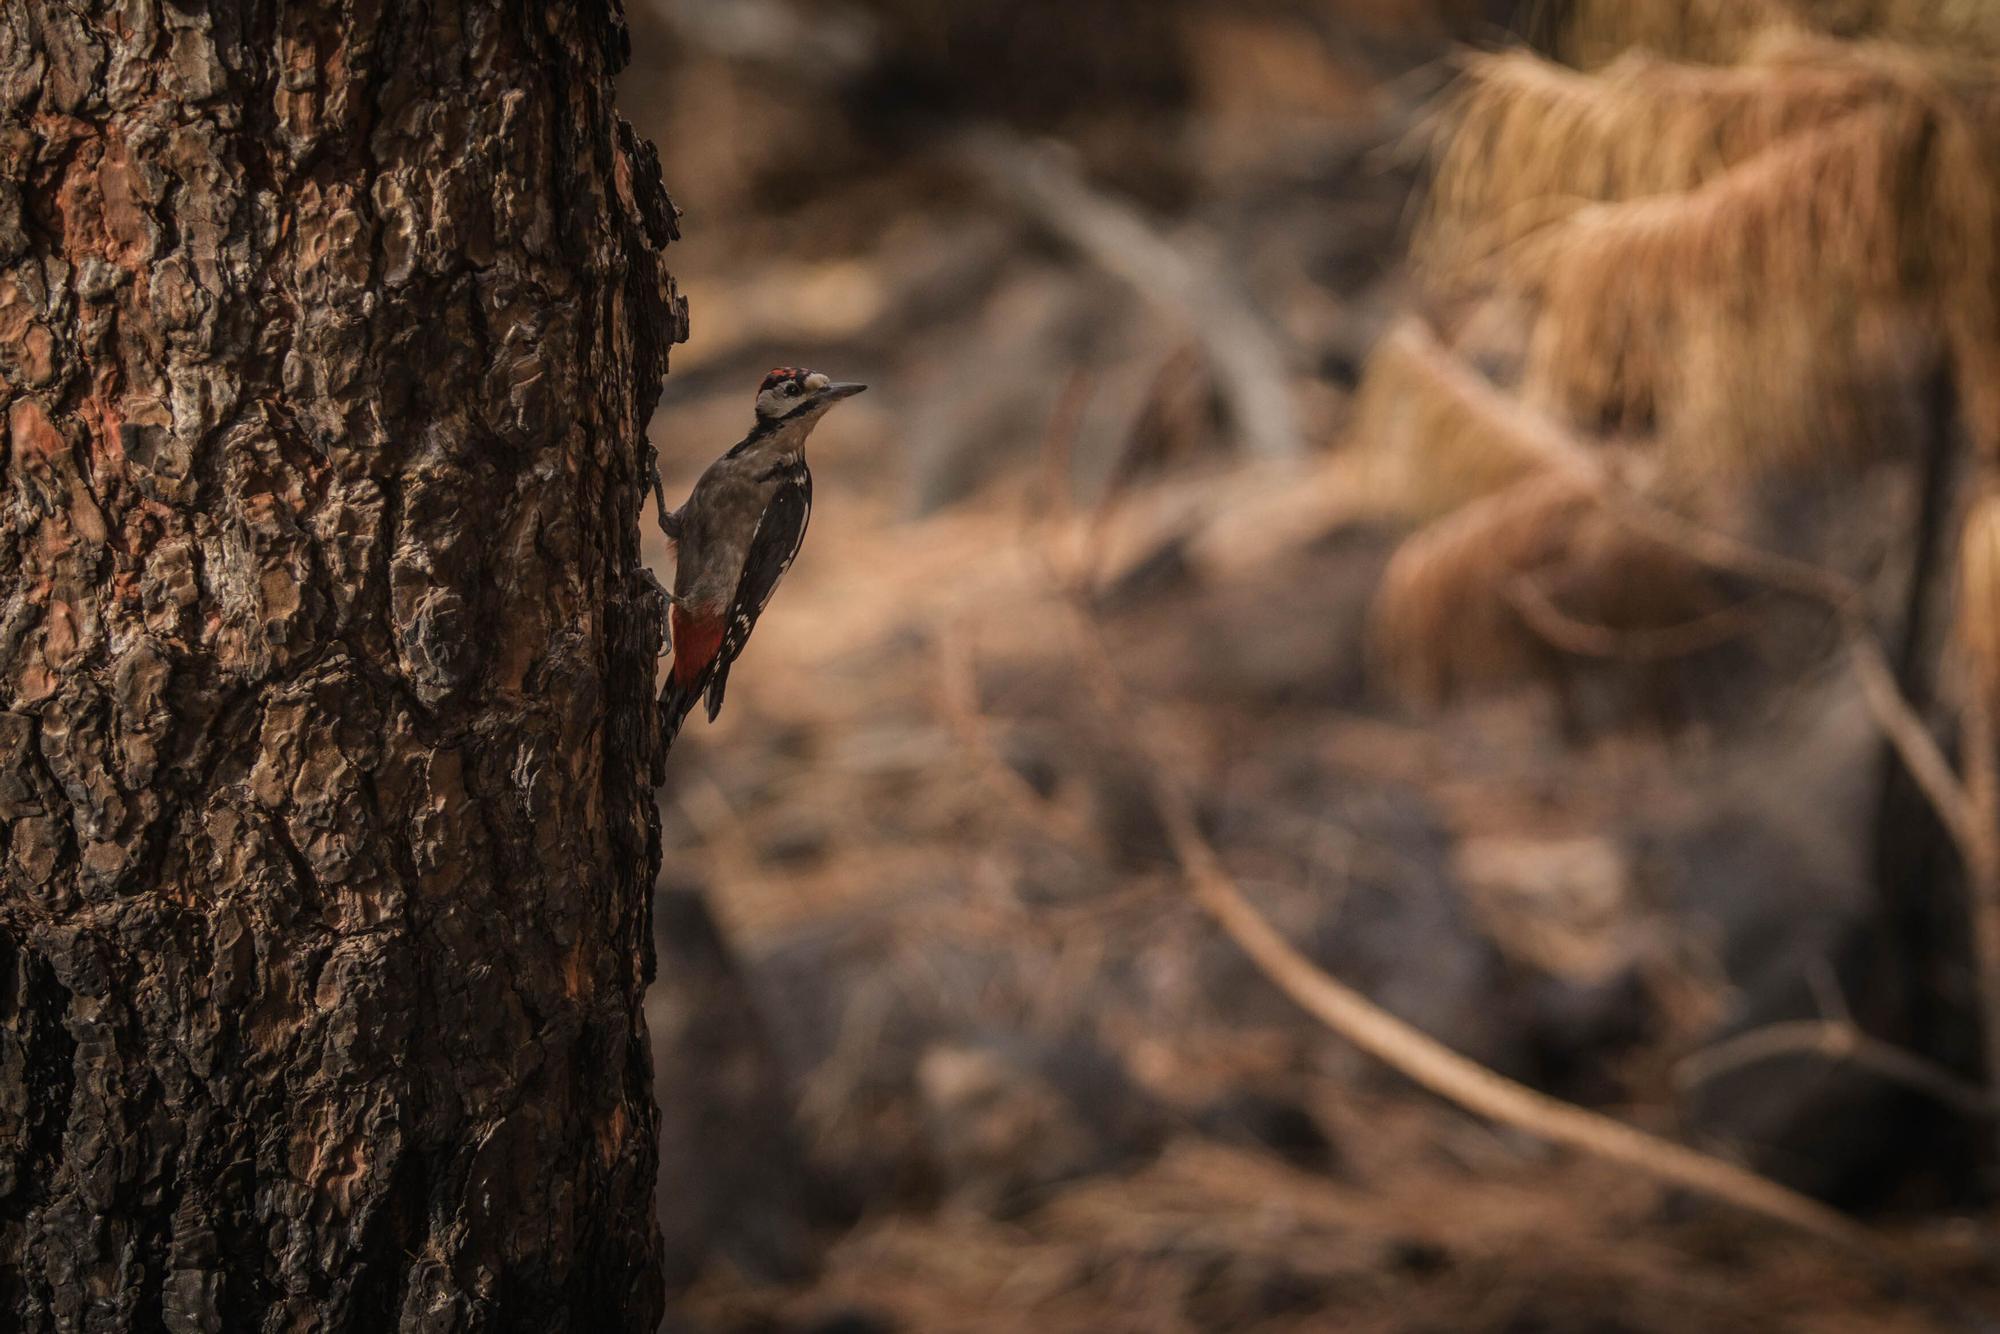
[1055,1097]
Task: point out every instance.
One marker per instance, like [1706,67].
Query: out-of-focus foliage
[1742,272]
[1592,32]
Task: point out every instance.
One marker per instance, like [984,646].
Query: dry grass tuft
[1967,27]
[1736,260]
[1512,583]
[1738,272]
[1441,619]
[1525,140]
[1593,32]
[1747,321]
[1433,437]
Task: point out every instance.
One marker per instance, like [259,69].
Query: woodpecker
[737,534]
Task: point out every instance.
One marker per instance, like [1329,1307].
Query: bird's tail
[696,640]
[676,702]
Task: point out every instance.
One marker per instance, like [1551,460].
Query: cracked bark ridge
[328,335]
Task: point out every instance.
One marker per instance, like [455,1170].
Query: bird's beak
[836,391]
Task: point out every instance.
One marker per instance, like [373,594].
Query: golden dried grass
[1432,440]
[1449,618]
[1737,272]
[1736,259]
[1967,27]
[1524,140]
[1592,32]
[1978,612]
[1441,620]
[1747,321]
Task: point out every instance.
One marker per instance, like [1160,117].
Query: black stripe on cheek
[761,428]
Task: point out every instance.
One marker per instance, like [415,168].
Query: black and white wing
[773,548]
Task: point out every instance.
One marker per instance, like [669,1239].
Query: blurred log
[326,725]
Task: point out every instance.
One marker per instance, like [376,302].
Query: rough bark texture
[328,333]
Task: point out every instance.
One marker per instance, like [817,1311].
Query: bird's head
[791,393]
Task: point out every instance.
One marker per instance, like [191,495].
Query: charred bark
[328,334]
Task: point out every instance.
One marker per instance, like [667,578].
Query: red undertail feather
[696,638]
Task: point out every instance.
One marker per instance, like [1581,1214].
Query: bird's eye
[792,389]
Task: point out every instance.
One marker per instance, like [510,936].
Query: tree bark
[328,334]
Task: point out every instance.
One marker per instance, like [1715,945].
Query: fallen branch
[1244,356]
[1841,1043]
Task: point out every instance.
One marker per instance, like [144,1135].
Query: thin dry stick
[1175,375]
[1842,1043]
[1541,613]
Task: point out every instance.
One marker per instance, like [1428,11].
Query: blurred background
[1531,470]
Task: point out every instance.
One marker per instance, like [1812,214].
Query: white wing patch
[781,531]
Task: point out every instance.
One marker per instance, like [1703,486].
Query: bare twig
[1167,399]
[1059,445]
[1246,358]
[1894,716]
[1538,609]
[1842,1043]
[1914,744]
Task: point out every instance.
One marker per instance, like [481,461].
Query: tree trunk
[1929,1000]
[328,333]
